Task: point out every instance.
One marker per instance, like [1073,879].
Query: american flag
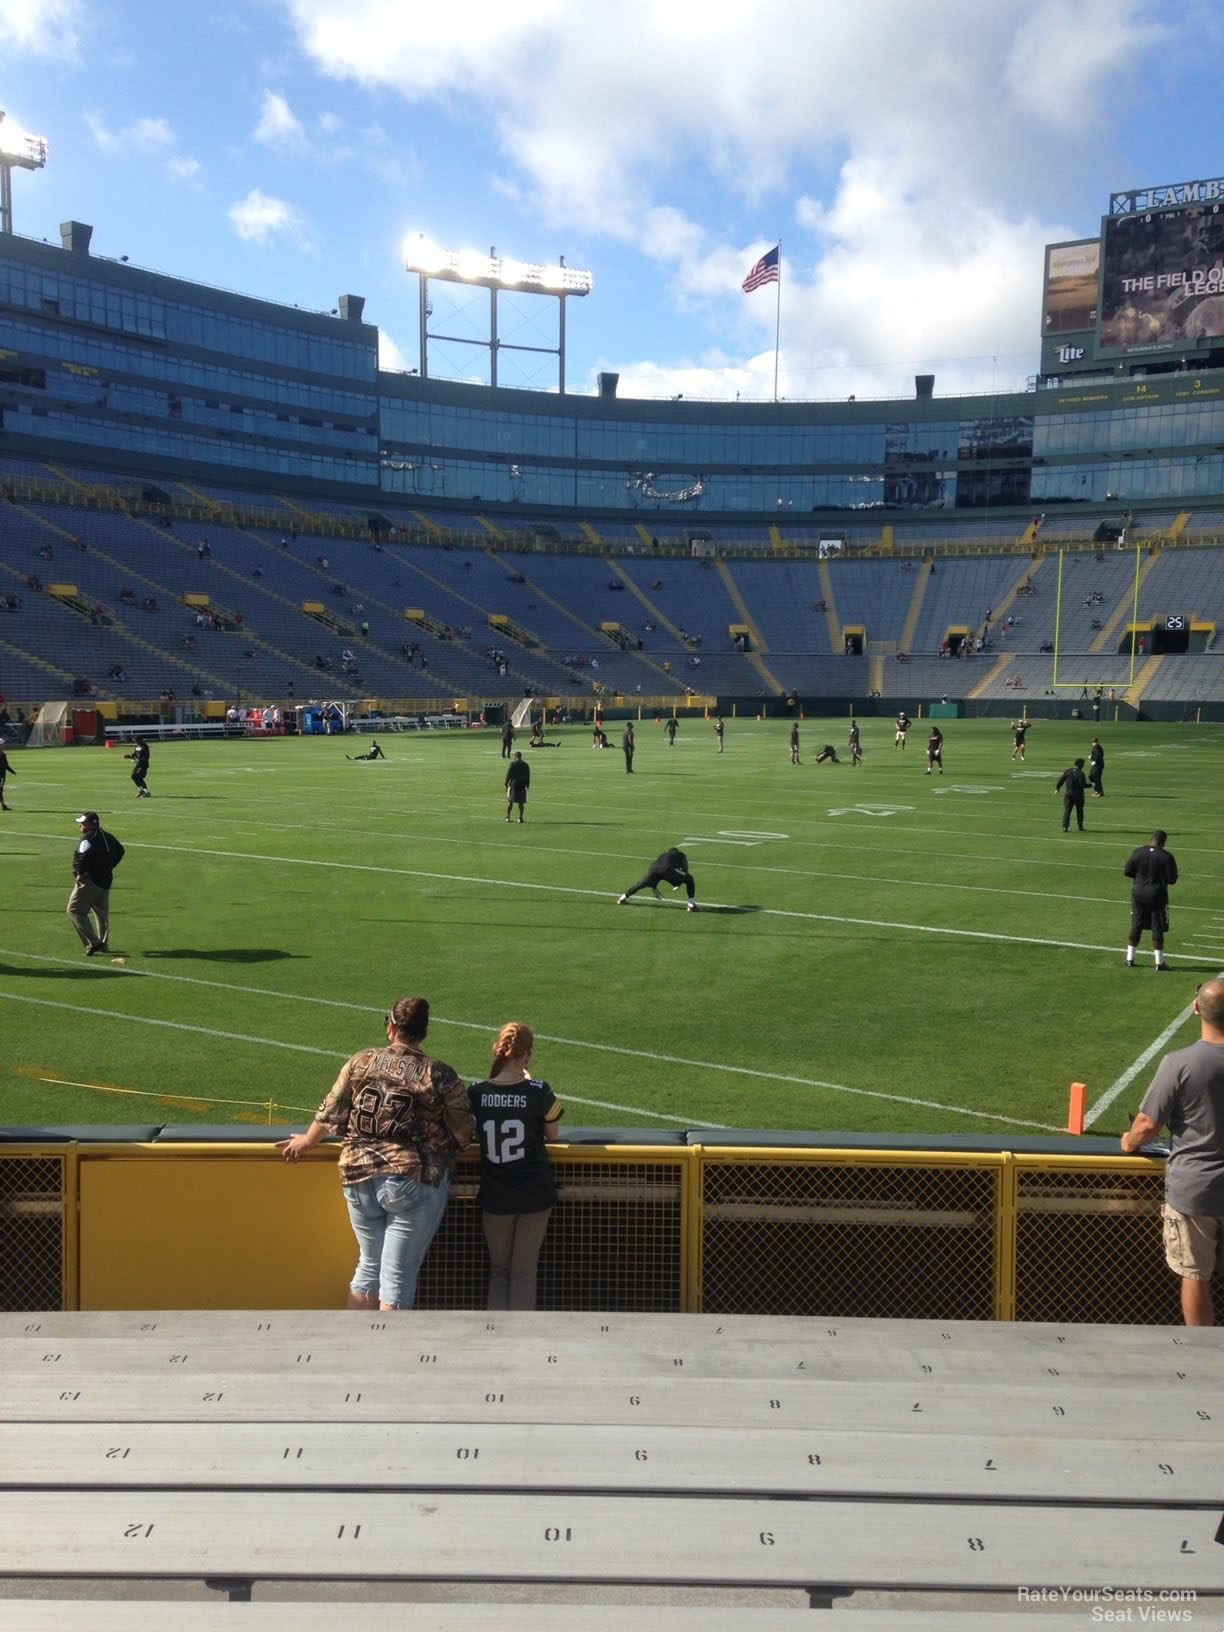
[766,270]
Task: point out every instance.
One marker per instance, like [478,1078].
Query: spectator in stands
[12,601]
[33,581]
[397,1155]
[150,604]
[46,553]
[202,550]
[517,1117]
[1187,1096]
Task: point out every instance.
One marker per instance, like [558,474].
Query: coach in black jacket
[94,860]
[1074,782]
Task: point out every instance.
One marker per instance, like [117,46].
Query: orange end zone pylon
[1075,1108]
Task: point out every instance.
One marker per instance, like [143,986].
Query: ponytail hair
[514,1039]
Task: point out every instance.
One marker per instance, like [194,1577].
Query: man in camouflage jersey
[403,1118]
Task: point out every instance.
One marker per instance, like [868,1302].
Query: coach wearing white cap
[94,860]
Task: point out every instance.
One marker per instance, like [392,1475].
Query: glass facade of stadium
[108,365]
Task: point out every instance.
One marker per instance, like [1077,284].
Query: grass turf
[877,949]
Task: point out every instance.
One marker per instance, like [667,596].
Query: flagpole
[778,321]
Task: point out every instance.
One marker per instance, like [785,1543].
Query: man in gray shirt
[1187,1096]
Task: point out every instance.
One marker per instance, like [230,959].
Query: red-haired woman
[516,1118]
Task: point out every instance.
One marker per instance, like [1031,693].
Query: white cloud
[258,218]
[908,154]
[390,356]
[330,123]
[278,125]
[183,168]
[41,28]
[141,135]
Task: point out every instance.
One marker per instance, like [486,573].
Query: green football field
[877,949]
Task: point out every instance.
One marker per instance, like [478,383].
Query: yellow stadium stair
[758,645]
[429,526]
[1179,524]
[200,498]
[915,610]
[996,669]
[589,533]
[1134,692]
[1124,609]
[832,621]
[494,532]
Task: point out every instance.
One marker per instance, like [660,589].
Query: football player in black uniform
[935,750]
[794,743]
[1074,780]
[670,868]
[518,780]
[372,752]
[903,725]
[1019,729]
[1096,768]
[856,751]
[140,767]
[516,1119]
[5,770]
[827,752]
[1152,869]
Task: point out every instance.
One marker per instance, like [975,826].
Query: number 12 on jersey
[503,1141]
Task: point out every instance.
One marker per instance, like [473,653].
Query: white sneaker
[622,900]
[692,907]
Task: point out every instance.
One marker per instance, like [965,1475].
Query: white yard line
[606,895]
[1102,1104]
[472,1025]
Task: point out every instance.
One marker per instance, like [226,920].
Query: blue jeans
[394,1219]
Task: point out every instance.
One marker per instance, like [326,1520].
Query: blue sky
[913,159]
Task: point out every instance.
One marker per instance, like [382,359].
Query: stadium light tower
[494,273]
[18,151]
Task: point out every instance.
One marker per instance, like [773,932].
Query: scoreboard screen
[1162,279]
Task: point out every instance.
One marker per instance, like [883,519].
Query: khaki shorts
[1191,1243]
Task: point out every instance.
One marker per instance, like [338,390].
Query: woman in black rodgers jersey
[516,1117]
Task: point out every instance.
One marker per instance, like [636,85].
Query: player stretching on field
[1019,727]
[669,868]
